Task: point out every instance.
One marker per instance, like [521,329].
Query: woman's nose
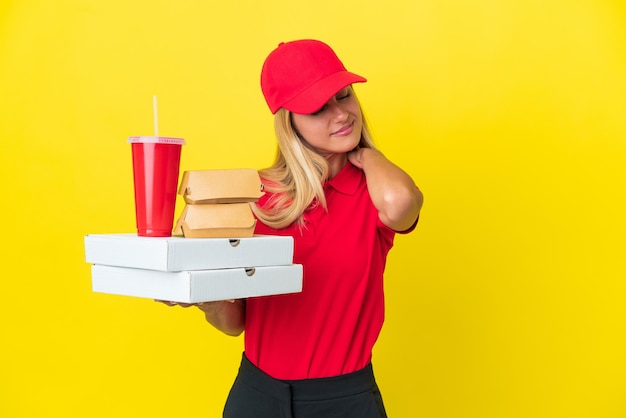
[337,110]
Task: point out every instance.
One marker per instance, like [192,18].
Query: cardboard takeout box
[221,186]
[217,203]
[197,286]
[178,253]
[225,220]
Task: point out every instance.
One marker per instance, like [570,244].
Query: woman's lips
[344,130]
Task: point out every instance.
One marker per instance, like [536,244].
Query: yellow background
[507,301]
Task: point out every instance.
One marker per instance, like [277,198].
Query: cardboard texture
[178,253]
[220,186]
[225,220]
[217,203]
[197,286]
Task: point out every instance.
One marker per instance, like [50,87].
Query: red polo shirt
[331,326]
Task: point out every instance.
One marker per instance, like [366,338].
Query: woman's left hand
[354,157]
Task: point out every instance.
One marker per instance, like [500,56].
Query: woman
[309,354]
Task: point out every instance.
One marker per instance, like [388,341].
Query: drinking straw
[155,111]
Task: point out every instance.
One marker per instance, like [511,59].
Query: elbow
[401,208]
[229,317]
[234,331]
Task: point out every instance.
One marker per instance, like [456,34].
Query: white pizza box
[198,285]
[179,254]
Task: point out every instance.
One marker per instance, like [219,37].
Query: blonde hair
[297,176]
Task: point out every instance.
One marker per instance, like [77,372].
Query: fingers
[187,305]
[181,304]
[165,302]
[355,157]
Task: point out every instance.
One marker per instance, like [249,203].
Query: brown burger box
[217,203]
[220,186]
[223,220]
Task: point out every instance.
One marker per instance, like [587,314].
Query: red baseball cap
[303,75]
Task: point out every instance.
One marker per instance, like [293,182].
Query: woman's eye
[344,95]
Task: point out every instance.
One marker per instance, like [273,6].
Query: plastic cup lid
[156,140]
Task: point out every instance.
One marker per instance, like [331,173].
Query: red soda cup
[156,163]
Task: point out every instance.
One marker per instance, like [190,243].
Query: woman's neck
[335,163]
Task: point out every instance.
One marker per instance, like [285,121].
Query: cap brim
[314,97]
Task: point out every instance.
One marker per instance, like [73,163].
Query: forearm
[392,190]
[228,317]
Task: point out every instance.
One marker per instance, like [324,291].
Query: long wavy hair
[297,176]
